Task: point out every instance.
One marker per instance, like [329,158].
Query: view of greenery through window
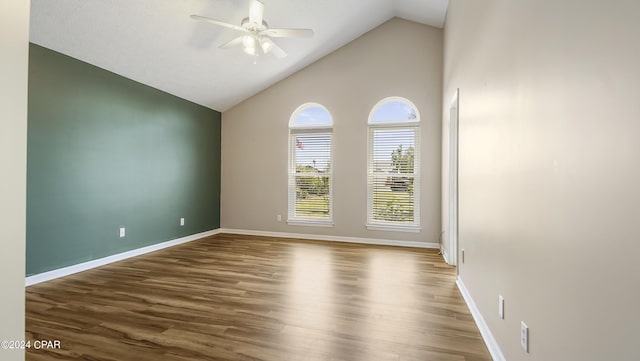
[393,194]
[311,175]
[312,192]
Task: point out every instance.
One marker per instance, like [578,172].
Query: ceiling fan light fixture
[266,46]
[255,39]
[249,42]
[250,51]
[249,45]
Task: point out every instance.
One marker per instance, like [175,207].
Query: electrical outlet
[181,221]
[524,336]
[501,306]
[279,217]
[121,232]
[462,255]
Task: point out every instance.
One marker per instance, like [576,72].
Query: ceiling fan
[257,37]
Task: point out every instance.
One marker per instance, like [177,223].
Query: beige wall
[549,171]
[14,42]
[398,58]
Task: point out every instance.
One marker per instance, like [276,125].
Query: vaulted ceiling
[155,42]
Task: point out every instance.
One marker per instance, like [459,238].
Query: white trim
[394,125]
[394,228]
[310,130]
[321,237]
[487,336]
[310,223]
[453,221]
[66,271]
[445,255]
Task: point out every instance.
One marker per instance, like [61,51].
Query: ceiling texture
[154,42]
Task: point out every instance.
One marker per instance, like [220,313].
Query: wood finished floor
[232,297]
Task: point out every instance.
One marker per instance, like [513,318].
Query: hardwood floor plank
[248,298]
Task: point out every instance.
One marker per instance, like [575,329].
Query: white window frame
[414,124]
[295,130]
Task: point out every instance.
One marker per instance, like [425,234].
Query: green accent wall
[106,152]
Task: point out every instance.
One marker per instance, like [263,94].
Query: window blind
[393,176]
[310,176]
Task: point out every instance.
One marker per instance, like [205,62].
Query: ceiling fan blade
[275,49]
[256,12]
[218,22]
[288,33]
[235,42]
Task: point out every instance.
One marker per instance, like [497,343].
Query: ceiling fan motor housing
[253,27]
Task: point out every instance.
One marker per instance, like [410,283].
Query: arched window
[310,178]
[393,177]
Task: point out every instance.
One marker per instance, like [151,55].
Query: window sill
[309,223]
[394,228]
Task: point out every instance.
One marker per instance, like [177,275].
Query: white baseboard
[487,336]
[61,272]
[445,255]
[66,271]
[318,237]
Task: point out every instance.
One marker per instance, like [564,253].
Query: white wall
[449,107]
[14,48]
[398,58]
[549,171]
